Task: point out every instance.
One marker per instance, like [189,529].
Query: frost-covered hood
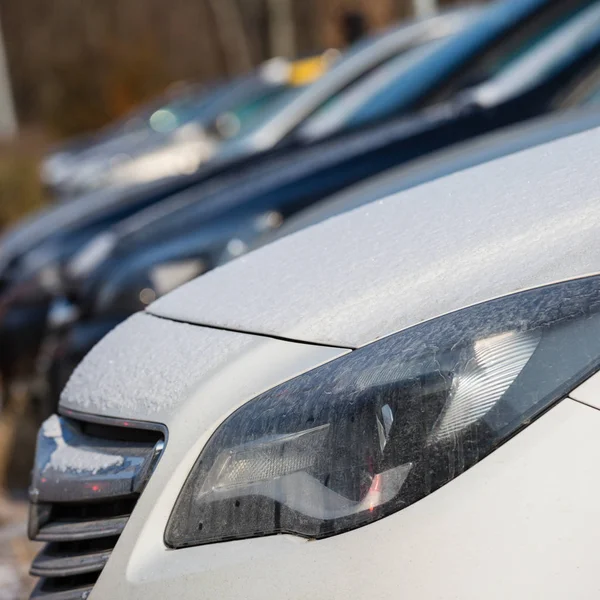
[522,221]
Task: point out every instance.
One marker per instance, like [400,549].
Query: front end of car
[428,463]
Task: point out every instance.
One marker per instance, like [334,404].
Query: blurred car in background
[349,70]
[236,119]
[175,136]
[499,43]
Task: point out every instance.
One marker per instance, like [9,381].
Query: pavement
[16,551]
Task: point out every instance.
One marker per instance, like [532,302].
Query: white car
[399,402]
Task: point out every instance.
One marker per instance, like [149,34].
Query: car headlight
[181,157]
[384,426]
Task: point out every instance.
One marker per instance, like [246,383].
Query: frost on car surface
[65,457]
[481,233]
[380,428]
[147,365]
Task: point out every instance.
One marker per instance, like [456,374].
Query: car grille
[87,477]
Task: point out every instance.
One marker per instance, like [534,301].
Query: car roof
[525,220]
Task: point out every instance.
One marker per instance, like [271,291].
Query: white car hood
[522,221]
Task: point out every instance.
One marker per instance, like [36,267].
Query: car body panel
[148,368]
[517,525]
[589,392]
[62,350]
[439,164]
[484,232]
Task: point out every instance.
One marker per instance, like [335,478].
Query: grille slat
[51,563]
[41,592]
[81,530]
[77,587]
[86,481]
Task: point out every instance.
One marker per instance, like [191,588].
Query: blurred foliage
[20,189]
[125,75]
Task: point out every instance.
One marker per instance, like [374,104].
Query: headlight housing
[183,155]
[382,427]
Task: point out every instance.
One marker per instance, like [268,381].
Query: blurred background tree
[78,64]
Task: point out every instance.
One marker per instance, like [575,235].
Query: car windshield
[165,115]
[381,96]
[585,90]
[280,103]
[335,113]
[240,101]
[253,117]
[171,116]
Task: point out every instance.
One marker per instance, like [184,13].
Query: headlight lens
[382,427]
[183,156]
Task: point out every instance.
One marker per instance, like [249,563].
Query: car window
[338,111]
[584,91]
[170,117]
[512,47]
[264,111]
[382,99]
[270,111]
[239,119]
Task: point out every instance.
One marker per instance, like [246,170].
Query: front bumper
[521,524]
